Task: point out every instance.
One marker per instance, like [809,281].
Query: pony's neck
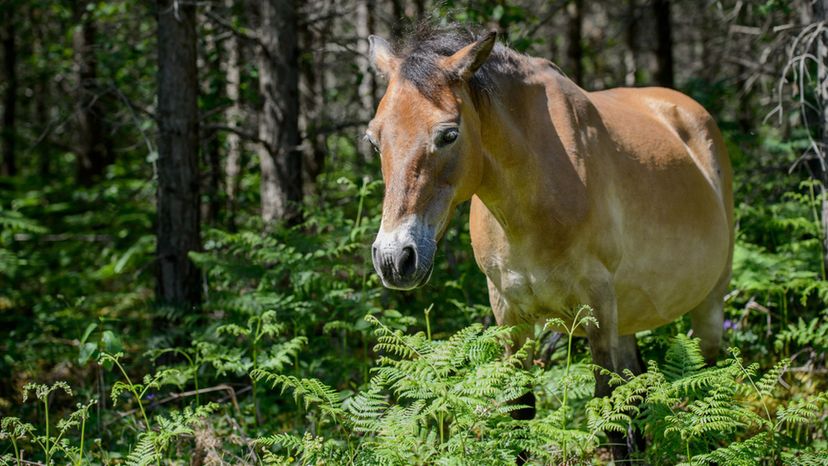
[532,147]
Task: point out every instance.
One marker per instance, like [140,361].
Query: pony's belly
[648,300]
[665,274]
[649,293]
[534,294]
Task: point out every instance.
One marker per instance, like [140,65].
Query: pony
[620,199]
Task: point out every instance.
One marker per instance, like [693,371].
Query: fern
[144,452]
[748,452]
[307,391]
[683,358]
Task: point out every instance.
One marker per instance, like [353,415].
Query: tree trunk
[212,152]
[280,157]
[420,8]
[367,89]
[398,19]
[233,115]
[821,15]
[576,51]
[9,165]
[664,51]
[631,53]
[93,151]
[210,60]
[178,229]
[312,113]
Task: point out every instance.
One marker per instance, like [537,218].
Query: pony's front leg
[603,339]
[604,343]
[509,316]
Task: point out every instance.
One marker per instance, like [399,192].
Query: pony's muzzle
[395,266]
[402,261]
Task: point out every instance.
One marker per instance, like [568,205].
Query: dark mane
[423,48]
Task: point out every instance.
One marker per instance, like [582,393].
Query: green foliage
[281,350]
[448,402]
[51,444]
[451,402]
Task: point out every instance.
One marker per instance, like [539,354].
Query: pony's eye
[446,137]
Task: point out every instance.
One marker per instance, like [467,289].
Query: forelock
[427,45]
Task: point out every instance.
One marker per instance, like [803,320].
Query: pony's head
[427,132]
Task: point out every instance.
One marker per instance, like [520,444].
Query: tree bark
[664,51]
[178,224]
[419,8]
[9,165]
[233,115]
[398,19]
[820,9]
[210,56]
[631,53]
[280,158]
[576,51]
[312,115]
[367,89]
[93,151]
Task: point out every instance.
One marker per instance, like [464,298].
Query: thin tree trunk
[210,60]
[419,9]
[93,152]
[367,89]
[398,19]
[44,167]
[820,8]
[41,111]
[42,93]
[280,157]
[664,51]
[576,51]
[233,115]
[213,160]
[631,53]
[313,114]
[9,165]
[178,228]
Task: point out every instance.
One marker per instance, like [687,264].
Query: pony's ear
[467,60]
[382,55]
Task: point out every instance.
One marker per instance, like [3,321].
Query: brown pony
[619,199]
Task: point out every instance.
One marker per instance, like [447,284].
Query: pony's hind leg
[707,322]
[628,355]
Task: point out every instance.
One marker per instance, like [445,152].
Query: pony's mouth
[404,256]
[406,283]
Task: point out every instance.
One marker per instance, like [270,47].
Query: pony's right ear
[382,55]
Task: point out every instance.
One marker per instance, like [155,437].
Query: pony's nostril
[374,251]
[407,261]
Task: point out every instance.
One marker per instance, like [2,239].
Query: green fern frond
[749,452]
[144,453]
[309,391]
[683,358]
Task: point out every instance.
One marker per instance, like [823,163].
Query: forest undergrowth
[296,355]
[299,357]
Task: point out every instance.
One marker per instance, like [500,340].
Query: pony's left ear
[382,55]
[466,61]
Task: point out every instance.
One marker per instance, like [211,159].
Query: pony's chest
[534,276]
[533,288]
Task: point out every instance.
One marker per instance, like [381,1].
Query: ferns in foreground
[431,402]
[448,402]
